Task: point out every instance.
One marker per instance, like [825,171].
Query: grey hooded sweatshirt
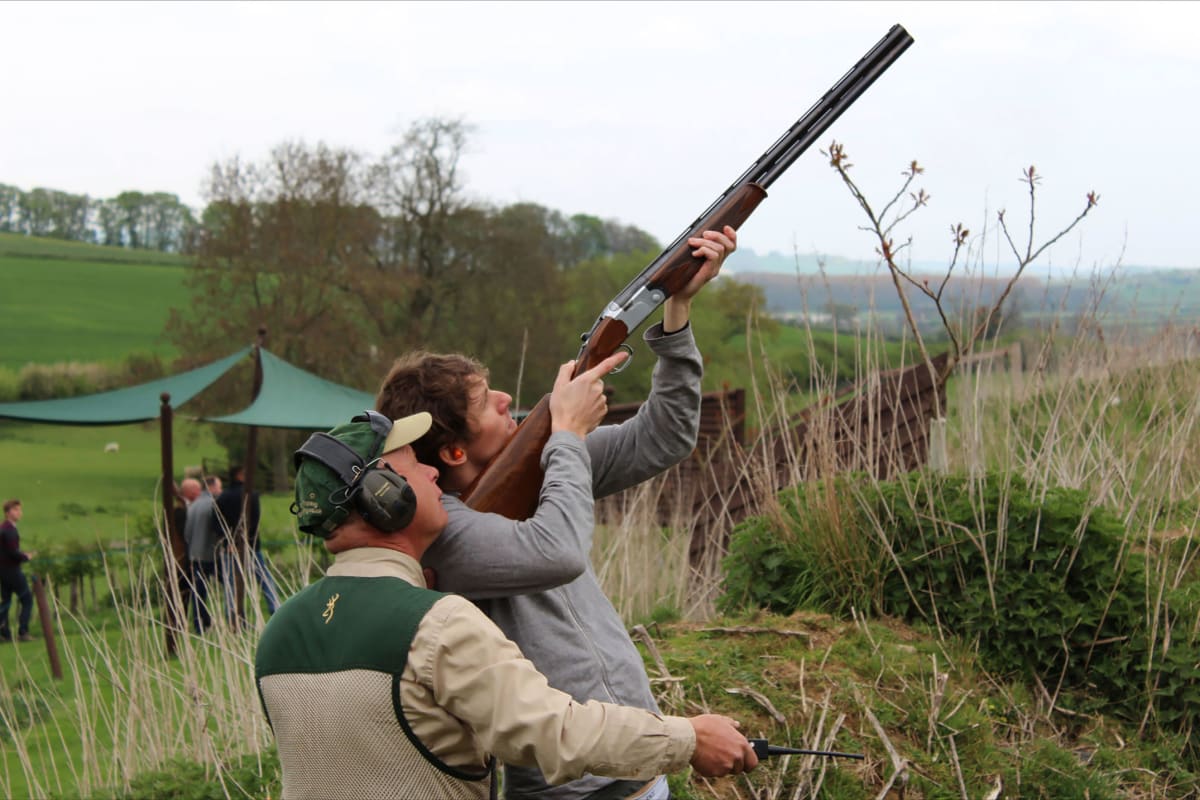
[535,578]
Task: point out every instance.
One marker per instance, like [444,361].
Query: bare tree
[882,226]
[417,186]
[285,243]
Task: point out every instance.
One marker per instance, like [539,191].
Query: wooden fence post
[39,596]
[1016,369]
[939,458]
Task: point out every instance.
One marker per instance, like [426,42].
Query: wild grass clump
[21,707]
[38,381]
[642,564]
[131,719]
[814,550]
[929,720]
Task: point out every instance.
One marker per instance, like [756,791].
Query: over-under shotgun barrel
[510,483]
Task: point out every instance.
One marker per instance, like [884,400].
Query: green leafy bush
[817,551]
[1045,584]
[67,379]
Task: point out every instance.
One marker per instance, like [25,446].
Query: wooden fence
[880,425]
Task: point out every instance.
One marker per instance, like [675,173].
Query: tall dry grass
[1097,407]
[128,707]
[1106,406]
[643,542]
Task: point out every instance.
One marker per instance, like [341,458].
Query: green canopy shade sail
[122,406]
[289,398]
[293,398]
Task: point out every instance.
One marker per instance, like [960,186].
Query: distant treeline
[151,221]
[346,260]
[1153,295]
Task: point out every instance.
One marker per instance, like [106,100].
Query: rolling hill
[68,301]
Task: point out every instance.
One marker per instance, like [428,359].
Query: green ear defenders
[373,488]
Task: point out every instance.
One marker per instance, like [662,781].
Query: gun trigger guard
[626,362]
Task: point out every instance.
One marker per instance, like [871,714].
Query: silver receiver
[643,303]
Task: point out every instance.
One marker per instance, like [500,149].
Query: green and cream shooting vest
[328,670]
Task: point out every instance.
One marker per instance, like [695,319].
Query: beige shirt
[468,692]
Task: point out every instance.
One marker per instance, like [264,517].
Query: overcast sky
[641,112]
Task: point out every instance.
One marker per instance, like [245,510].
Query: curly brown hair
[439,383]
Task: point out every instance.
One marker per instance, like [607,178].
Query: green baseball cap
[328,465]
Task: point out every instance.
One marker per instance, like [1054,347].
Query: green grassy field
[66,301]
[73,491]
[793,349]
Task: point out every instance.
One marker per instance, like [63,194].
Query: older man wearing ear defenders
[376,687]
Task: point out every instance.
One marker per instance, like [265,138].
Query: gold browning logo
[327,614]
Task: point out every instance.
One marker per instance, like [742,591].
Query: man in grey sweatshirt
[534,578]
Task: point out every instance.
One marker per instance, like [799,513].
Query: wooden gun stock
[511,482]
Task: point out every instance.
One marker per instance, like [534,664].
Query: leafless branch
[883,225]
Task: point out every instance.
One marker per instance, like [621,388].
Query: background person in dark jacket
[185,494]
[229,509]
[12,578]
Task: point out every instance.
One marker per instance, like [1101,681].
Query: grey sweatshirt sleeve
[482,556]
[664,431]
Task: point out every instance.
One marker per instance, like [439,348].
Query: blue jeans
[228,568]
[203,574]
[270,591]
[12,582]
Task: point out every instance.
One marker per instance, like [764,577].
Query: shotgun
[511,481]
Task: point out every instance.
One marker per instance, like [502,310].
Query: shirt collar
[378,562]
